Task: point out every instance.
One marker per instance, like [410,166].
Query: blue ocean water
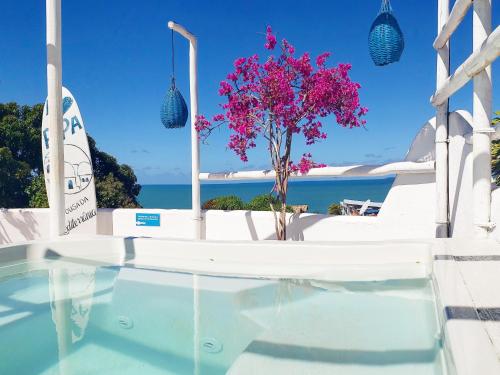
[317,194]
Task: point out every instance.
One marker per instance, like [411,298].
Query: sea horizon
[317,194]
[302,180]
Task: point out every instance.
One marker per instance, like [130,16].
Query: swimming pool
[96,315]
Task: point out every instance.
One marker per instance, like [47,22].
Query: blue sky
[116,62]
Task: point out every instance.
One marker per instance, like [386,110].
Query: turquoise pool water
[80,319]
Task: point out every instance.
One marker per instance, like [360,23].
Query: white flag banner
[79,185]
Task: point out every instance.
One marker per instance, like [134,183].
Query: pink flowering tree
[278,100]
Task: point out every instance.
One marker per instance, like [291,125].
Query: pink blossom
[201,124]
[321,59]
[288,47]
[225,88]
[305,164]
[270,39]
[286,95]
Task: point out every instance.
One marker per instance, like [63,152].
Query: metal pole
[54,105]
[195,181]
[481,142]
[442,73]
[195,143]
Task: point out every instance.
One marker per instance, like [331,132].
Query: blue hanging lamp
[174,112]
[385,41]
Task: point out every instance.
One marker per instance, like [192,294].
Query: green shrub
[495,152]
[263,203]
[232,202]
[334,209]
[226,203]
[495,161]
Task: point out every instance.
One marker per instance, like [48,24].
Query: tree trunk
[280,216]
[281,234]
[281,165]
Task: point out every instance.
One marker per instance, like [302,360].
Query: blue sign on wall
[147,220]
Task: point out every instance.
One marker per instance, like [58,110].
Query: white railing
[456,16]
[442,121]
[474,65]
[402,167]
[486,49]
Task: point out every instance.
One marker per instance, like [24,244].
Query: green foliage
[37,193]
[495,152]
[226,203]
[13,175]
[263,202]
[20,156]
[496,119]
[21,166]
[232,202]
[112,192]
[495,161]
[20,133]
[334,209]
[110,174]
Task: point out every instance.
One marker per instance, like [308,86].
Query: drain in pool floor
[211,345]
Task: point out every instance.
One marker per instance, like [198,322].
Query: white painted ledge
[403,167]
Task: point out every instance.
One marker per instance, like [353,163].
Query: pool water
[74,319]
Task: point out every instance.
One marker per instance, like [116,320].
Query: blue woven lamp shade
[386,41]
[174,112]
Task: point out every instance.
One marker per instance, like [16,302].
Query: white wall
[495,213]
[248,225]
[460,164]
[31,224]
[18,225]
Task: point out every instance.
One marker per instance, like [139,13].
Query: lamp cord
[173,59]
[386,7]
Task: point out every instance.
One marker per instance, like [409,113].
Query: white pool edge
[467,345]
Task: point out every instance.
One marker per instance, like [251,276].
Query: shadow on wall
[295,226]
[456,195]
[23,221]
[251,226]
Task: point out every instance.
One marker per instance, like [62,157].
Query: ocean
[317,194]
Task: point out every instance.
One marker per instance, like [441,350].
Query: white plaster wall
[18,225]
[31,224]
[174,223]
[249,225]
[495,213]
[409,208]
[105,221]
[460,177]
